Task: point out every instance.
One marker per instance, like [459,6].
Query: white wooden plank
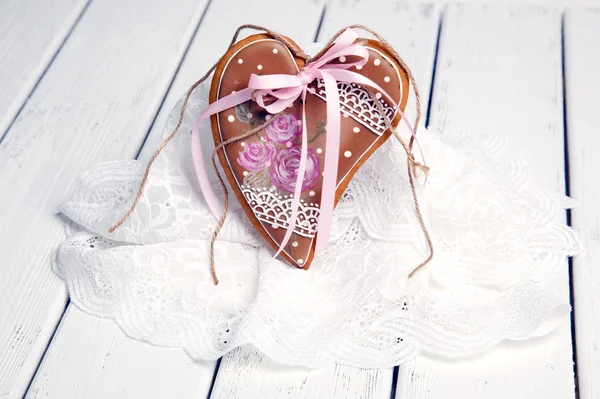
[582,63]
[95,103]
[31,33]
[108,368]
[412,30]
[75,367]
[499,72]
[246,373]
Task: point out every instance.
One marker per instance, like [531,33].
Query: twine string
[412,164]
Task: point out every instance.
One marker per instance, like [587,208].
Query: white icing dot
[249,115]
[243,143]
[245,173]
[233,91]
[342,59]
[300,261]
[345,116]
[386,79]
[259,67]
[231,118]
[319,150]
[312,193]
[268,117]
[347,154]
[240,61]
[377,62]
[378,96]
[358,67]
[295,244]
[275,51]
[274,226]
[356,129]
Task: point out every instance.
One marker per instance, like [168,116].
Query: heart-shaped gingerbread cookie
[262,169]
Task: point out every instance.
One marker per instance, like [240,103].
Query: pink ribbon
[286,89]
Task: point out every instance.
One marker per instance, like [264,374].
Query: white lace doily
[497,238]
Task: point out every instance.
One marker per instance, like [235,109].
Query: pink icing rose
[283,128]
[284,171]
[256,155]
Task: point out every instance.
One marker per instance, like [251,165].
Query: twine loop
[305,76]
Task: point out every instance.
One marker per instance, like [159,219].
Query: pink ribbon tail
[201,175]
[332,152]
[196,146]
[299,180]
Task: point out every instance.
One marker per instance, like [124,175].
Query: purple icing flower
[283,128]
[257,155]
[284,171]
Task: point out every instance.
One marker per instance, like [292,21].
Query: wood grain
[83,366]
[582,63]
[245,373]
[31,32]
[76,367]
[95,103]
[499,72]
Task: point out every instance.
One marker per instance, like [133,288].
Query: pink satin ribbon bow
[286,89]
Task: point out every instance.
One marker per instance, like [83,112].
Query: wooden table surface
[83,81]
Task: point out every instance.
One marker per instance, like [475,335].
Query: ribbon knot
[305,76]
[285,90]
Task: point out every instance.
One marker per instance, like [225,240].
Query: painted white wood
[76,364]
[95,103]
[582,65]
[31,32]
[245,373]
[83,366]
[499,72]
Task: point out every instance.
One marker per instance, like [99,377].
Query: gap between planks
[498,72]
[70,122]
[581,28]
[28,60]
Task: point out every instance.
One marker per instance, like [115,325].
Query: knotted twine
[412,164]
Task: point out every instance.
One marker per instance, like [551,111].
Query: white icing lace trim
[274,209]
[357,103]
[498,240]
